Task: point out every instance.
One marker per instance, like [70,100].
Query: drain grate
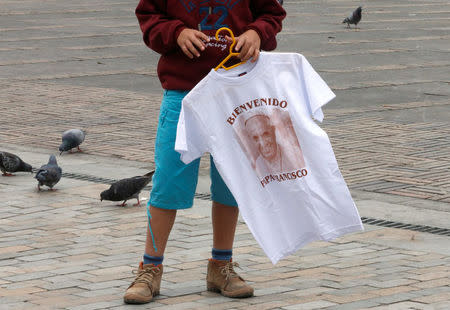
[421,228]
[84,177]
[203,196]
[90,178]
[94,179]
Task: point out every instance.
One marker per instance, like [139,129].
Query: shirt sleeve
[316,91]
[160,32]
[191,141]
[268,16]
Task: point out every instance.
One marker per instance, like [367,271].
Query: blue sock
[222,254]
[155,260]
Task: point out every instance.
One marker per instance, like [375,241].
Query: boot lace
[145,275]
[228,270]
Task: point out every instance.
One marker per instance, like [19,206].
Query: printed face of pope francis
[262,133]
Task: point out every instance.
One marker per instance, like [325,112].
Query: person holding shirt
[182,32]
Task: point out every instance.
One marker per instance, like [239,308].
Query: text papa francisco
[253,104]
[284,176]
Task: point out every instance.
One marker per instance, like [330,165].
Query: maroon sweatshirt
[162,21]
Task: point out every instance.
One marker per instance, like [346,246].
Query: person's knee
[156,211]
[218,204]
[224,206]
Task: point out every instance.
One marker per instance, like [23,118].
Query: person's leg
[224,219]
[173,188]
[224,212]
[174,183]
[161,223]
[221,276]
[148,280]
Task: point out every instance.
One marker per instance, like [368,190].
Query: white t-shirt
[260,112]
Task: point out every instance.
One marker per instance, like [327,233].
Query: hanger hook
[231,53]
[231,34]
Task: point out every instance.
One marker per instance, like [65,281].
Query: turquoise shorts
[174,182]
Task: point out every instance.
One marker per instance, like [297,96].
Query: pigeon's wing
[49,175]
[65,134]
[357,16]
[41,174]
[141,181]
[71,138]
[120,190]
[127,188]
[349,18]
[115,187]
[53,175]
[10,161]
[76,135]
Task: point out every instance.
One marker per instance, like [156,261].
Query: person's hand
[247,44]
[191,42]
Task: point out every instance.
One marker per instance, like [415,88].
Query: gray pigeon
[49,174]
[12,163]
[354,18]
[126,189]
[70,139]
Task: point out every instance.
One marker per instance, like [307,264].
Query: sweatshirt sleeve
[160,32]
[268,15]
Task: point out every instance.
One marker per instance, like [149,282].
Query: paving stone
[181,299]
[184,290]
[404,305]
[97,305]
[233,304]
[391,282]
[433,283]
[357,305]
[80,65]
[439,297]
[348,298]
[267,305]
[319,304]
[102,292]
[392,299]
[442,305]
[29,276]
[274,290]
[394,290]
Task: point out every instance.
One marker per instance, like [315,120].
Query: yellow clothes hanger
[231,53]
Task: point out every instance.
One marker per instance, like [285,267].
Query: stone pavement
[83,64]
[67,250]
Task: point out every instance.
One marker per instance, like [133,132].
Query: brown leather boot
[223,279]
[145,286]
